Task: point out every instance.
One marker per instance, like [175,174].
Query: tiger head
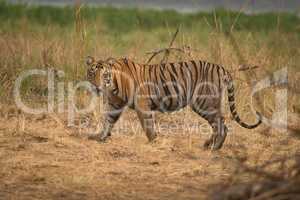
[99,73]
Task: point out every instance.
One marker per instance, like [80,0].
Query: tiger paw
[152,137]
[207,144]
[98,137]
[212,145]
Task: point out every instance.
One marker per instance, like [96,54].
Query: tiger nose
[105,76]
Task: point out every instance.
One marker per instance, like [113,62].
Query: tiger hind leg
[218,136]
[214,118]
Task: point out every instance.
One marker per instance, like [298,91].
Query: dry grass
[41,158]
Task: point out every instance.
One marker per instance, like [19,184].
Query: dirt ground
[42,159]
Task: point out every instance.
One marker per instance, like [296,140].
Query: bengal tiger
[164,87]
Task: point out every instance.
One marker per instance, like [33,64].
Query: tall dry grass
[27,44]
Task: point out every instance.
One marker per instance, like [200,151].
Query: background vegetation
[61,37]
[124,20]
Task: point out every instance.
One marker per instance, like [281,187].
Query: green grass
[130,19]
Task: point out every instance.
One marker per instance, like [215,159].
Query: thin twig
[166,50]
[271,193]
[278,160]
[245,67]
[174,36]
[238,15]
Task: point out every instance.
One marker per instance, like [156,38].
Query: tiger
[164,87]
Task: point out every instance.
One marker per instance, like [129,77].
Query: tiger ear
[111,61]
[90,60]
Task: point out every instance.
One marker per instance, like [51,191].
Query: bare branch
[165,50]
[173,39]
[245,67]
[158,51]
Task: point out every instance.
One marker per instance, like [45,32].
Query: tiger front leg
[147,121]
[111,117]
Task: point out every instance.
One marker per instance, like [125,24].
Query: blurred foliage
[37,36]
[128,19]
